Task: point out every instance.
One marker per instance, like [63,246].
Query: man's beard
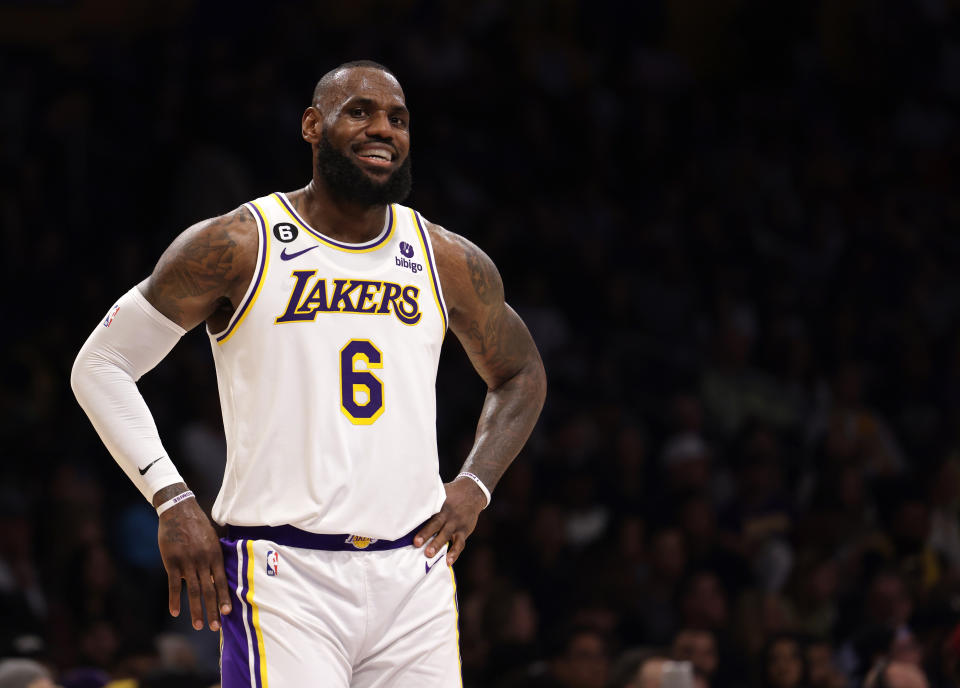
[351,184]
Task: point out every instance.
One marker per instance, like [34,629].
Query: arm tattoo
[499,342]
[205,262]
[201,263]
[481,274]
[476,334]
[493,337]
[502,351]
[510,409]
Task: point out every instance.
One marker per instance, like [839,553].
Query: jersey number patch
[361,392]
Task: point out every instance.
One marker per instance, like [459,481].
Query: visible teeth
[379,155]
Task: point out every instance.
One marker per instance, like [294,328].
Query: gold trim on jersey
[382,240]
[434,273]
[260,277]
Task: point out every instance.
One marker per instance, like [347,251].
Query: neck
[335,218]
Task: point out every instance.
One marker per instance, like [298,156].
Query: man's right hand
[191,553]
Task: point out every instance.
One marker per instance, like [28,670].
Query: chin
[380,179]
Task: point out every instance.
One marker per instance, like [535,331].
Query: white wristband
[170,503]
[483,488]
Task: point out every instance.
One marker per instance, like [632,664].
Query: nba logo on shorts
[273,561]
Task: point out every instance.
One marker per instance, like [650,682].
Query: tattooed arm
[202,276]
[205,271]
[503,353]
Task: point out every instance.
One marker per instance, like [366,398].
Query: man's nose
[379,125]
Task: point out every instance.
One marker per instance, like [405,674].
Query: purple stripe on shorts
[253,631]
[234,660]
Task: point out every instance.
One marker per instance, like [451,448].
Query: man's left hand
[455,520]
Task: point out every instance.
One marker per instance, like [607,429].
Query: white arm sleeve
[130,341]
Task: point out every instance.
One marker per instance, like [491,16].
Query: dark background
[731,226]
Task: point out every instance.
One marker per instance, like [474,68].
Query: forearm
[131,341]
[509,414]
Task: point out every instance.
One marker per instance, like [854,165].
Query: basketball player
[326,308]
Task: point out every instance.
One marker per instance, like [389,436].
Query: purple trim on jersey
[234,657]
[256,282]
[349,247]
[289,536]
[433,269]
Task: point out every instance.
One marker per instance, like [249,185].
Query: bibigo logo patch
[407,261]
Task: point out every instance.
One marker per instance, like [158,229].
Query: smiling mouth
[377,156]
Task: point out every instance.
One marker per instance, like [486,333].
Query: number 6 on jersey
[361,392]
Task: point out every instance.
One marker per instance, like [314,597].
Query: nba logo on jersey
[360,542]
[111,315]
[273,561]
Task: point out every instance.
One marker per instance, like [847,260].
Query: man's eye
[398,121]
[356,112]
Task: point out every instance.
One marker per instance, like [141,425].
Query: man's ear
[311,125]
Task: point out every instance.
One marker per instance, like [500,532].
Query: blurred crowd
[730,224]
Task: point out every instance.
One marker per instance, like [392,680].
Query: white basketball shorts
[366,616]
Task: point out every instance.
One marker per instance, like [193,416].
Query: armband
[483,488]
[170,503]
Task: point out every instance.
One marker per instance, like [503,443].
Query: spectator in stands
[24,673]
[699,647]
[895,675]
[783,663]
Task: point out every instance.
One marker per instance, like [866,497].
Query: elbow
[78,377]
[88,373]
[533,379]
[528,381]
[540,383]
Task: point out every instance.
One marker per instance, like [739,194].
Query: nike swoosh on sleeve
[143,471]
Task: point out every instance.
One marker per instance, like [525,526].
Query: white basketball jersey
[327,375]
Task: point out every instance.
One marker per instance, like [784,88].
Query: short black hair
[328,77]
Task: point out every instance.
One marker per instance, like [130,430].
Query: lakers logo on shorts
[360,542]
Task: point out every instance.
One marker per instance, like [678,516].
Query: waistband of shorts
[290,536]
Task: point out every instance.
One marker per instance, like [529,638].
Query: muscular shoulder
[205,270]
[467,274]
[492,334]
